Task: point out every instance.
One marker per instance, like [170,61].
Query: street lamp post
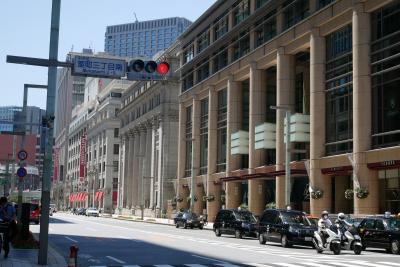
[288,151]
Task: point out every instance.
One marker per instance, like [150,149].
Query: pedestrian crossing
[306,263]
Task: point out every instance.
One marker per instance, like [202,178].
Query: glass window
[265,29]
[221,130]
[188,136]
[188,53]
[295,218]
[260,3]
[220,59]
[271,95]
[269,217]
[299,93]
[241,11]
[368,223]
[241,45]
[245,105]
[203,40]
[322,3]
[203,136]
[221,27]
[203,70]
[116,149]
[379,225]
[339,92]
[295,11]
[385,65]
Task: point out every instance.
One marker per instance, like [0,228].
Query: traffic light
[147,70]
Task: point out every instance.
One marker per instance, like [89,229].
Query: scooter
[351,240]
[332,243]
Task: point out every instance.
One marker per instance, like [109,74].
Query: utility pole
[50,106]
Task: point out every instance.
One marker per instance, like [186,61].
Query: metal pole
[13,176]
[287,162]
[192,187]
[50,106]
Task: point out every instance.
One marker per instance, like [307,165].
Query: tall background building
[144,38]
[14,114]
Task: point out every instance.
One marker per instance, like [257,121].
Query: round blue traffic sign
[21,172]
[22,155]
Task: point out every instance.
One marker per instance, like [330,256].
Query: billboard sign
[98,67]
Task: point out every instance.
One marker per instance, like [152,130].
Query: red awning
[115,196]
[96,196]
[100,195]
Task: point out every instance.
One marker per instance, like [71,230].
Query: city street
[110,242]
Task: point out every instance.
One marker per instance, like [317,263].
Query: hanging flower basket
[179,199]
[210,198]
[271,205]
[204,198]
[223,198]
[189,199]
[349,194]
[362,192]
[317,194]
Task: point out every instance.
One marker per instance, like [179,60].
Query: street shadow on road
[54,220]
[95,251]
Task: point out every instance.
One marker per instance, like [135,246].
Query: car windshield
[191,215]
[394,224]
[295,218]
[246,217]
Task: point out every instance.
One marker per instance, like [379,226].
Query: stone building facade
[148,154]
[332,64]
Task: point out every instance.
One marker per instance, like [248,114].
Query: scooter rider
[324,223]
[342,222]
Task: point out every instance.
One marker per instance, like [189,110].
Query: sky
[25,31]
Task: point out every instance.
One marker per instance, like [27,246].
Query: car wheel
[177,225]
[37,222]
[217,232]
[184,225]
[238,234]
[395,247]
[285,242]
[261,239]
[201,227]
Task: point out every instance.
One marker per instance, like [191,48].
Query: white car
[92,212]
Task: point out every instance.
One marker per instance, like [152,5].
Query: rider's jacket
[324,222]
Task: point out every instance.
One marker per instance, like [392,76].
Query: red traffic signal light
[163,68]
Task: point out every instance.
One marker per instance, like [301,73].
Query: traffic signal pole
[50,106]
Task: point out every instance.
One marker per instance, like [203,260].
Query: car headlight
[189,221]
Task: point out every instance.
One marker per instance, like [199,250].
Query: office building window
[116,132]
[299,93]
[203,135]
[265,29]
[220,59]
[116,149]
[241,11]
[385,67]
[271,95]
[339,92]
[322,3]
[245,105]
[260,3]
[203,40]
[221,129]
[115,166]
[241,45]
[188,53]
[294,11]
[187,81]
[203,70]
[221,27]
[188,136]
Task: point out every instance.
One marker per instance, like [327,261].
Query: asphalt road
[111,242]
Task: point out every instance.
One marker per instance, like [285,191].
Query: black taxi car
[188,219]
[288,227]
[235,222]
[381,232]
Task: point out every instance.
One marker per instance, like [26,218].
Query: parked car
[381,232]
[288,227]
[188,219]
[80,211]
[53,208]
[34,213]
[92,212]
[235,222]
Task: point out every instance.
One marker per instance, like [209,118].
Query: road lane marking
[206,258]
[70,239]
[195,265]
[115,259]
[90,229]
[163,265]
[227,265]
[389,263]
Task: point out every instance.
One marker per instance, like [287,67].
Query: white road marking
[195,265]
[389,263]
[115,259]
[287,264]
[256,264]
[70,239]
[206,258]
[163,265]
[91,229]
[227,265]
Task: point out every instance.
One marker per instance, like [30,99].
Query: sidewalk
[170,222]
[29,258]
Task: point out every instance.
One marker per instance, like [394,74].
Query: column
[317,122]
[362,111]
[212,188]
[198,207]
[233,121]
[153,166]
[181,152]
[257,92]
[285,97]
[136,169]
[233,192]
[141,167]
[130,171]
[148,178]
[122,172]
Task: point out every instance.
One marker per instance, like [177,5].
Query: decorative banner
[350,156]
[82,158]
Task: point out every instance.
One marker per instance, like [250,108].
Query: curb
[125,218]
[54,250]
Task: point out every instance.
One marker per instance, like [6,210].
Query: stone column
[148,178]
[123,178]
[142,166]
[233,121]
[153,167]
[212,188]
[285,97]
[257,92]
[233,192]
[136,169]
[361,111]
[181,152]
[196,109]
[317,122]
[130,176]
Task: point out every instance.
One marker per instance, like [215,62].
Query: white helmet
[341,216]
